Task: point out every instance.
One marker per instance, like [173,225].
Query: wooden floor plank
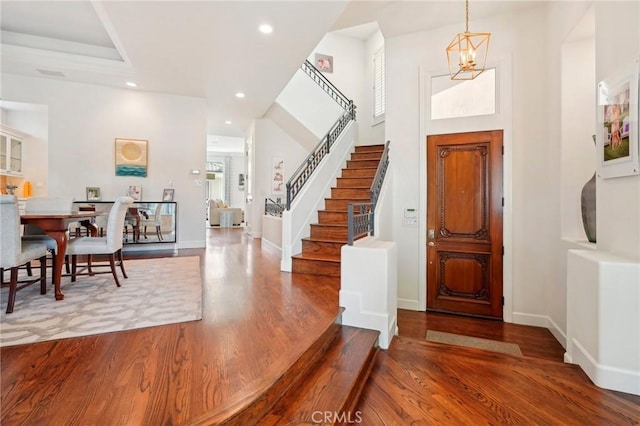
[493,387]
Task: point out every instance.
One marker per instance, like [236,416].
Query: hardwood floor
[257,322]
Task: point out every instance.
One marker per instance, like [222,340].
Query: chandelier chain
[466,16]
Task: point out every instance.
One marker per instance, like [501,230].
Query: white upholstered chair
[15,252]
[110,245]
[156,221]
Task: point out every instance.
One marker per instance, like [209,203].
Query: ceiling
[207,49]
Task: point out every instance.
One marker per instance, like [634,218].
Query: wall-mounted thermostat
[412,213]
[410,218]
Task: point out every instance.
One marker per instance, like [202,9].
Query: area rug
[473,342]
[158,291]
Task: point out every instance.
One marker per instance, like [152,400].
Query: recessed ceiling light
[240,95]
[227,122]
[131,84]
[265,29]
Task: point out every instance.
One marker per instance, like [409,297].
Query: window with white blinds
[378,86]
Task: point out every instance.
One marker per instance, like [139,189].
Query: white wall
[272,232]
[269,141]
[353,76]
[572,68]
[84,120]
[516,39]
[348,64]
[304,100]
[519,51]
[578,152]
[528,46]
[618,199]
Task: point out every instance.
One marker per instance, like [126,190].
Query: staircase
[321,250]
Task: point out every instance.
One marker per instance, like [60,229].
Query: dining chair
[46,205]
[155,221]
[110,245]
[132,218]
[14,251]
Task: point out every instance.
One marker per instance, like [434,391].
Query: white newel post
[369,287]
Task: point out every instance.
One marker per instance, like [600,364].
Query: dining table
[56,225]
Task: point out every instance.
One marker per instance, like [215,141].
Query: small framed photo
[93,193]
[324,63]
[617,140]
[167,194]
[135,192]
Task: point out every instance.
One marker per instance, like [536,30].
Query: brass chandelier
[467,52]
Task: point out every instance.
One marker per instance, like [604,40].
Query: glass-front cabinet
[10,154]
[146,222]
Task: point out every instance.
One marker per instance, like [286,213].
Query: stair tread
[332,225]
[333,383]
[323,240]
[323,257]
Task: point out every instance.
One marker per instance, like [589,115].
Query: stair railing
[273,208]
[360,219]
[322,81]
[381,172]
[306,169]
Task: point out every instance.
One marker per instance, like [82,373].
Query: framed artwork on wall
[93,193]
[324,63]
[131,157]
[617,140]
[167,194]
[277,176]
[135,192]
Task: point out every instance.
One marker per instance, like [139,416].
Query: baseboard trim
[530,319]
[270,245]
[604,376]
[163,246]
[409,304]
[543,321]
[557,332]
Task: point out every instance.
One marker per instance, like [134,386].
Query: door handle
[432,244]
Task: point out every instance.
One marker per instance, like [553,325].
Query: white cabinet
[10,154]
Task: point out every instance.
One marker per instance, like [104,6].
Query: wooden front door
[464,223]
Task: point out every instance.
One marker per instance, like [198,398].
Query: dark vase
[588,205]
